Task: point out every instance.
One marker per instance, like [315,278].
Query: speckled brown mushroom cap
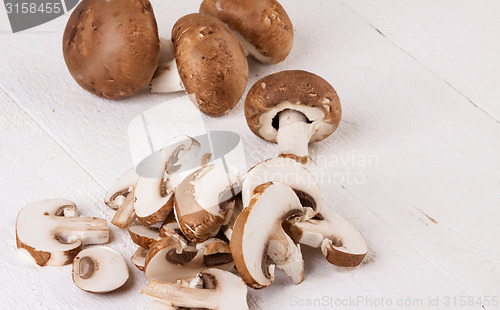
[263,23]
[298,90]
[211,63]
[111,46]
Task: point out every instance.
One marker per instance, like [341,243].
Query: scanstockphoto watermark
[348,168]
[363,301]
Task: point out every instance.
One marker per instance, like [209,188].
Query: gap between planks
[361,18]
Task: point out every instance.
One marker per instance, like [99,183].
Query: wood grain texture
[414,165]
[456,40]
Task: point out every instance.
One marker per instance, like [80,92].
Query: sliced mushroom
[171,228]
[125,215]
[287,171]
[139,258]
[168,260]
[258,233]
[203,201]
[154,193]
[227,229]
[293,108]
[121,189]
[99,270]
[262,26]
[215,289]
[211,64]
[144,236]
[53,232]
[340,242]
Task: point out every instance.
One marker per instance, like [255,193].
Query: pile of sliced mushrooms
[204,232]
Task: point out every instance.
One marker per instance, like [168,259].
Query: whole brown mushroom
[293,108]
[262,26]
[209,65]
[111,46]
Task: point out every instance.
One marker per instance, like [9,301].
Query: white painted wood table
[415,164]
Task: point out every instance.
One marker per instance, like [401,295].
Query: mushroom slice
[168,260]
[153,193]
[139,258]
[292,108]
[262,26]
[216,253]
[125,214]
[99,270]
[171,229]
[203,201]
[143,236]
[211,63]
[212,289]
[287,171]
[120,189]
[258,233]
[53,232]
[340,242]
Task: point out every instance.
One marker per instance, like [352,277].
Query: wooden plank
[35,167]
[457,40]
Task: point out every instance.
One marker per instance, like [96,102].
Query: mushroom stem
[293,135]
[167,79]
[89,230]
[125,214]
[181,296]
[291,262]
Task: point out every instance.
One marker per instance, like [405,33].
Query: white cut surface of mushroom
[99,270]
[53,232]
[139,258]
[287,171]
[166,78]
[221,290]
[120,189]
[154,195]
[168,260]
[125,214]
[340,242]
[143,236]
[211,183]
[203,201]
[258,233]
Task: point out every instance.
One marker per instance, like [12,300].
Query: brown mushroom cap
[263,23]
[211,63]
[302,91]
[111,47]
